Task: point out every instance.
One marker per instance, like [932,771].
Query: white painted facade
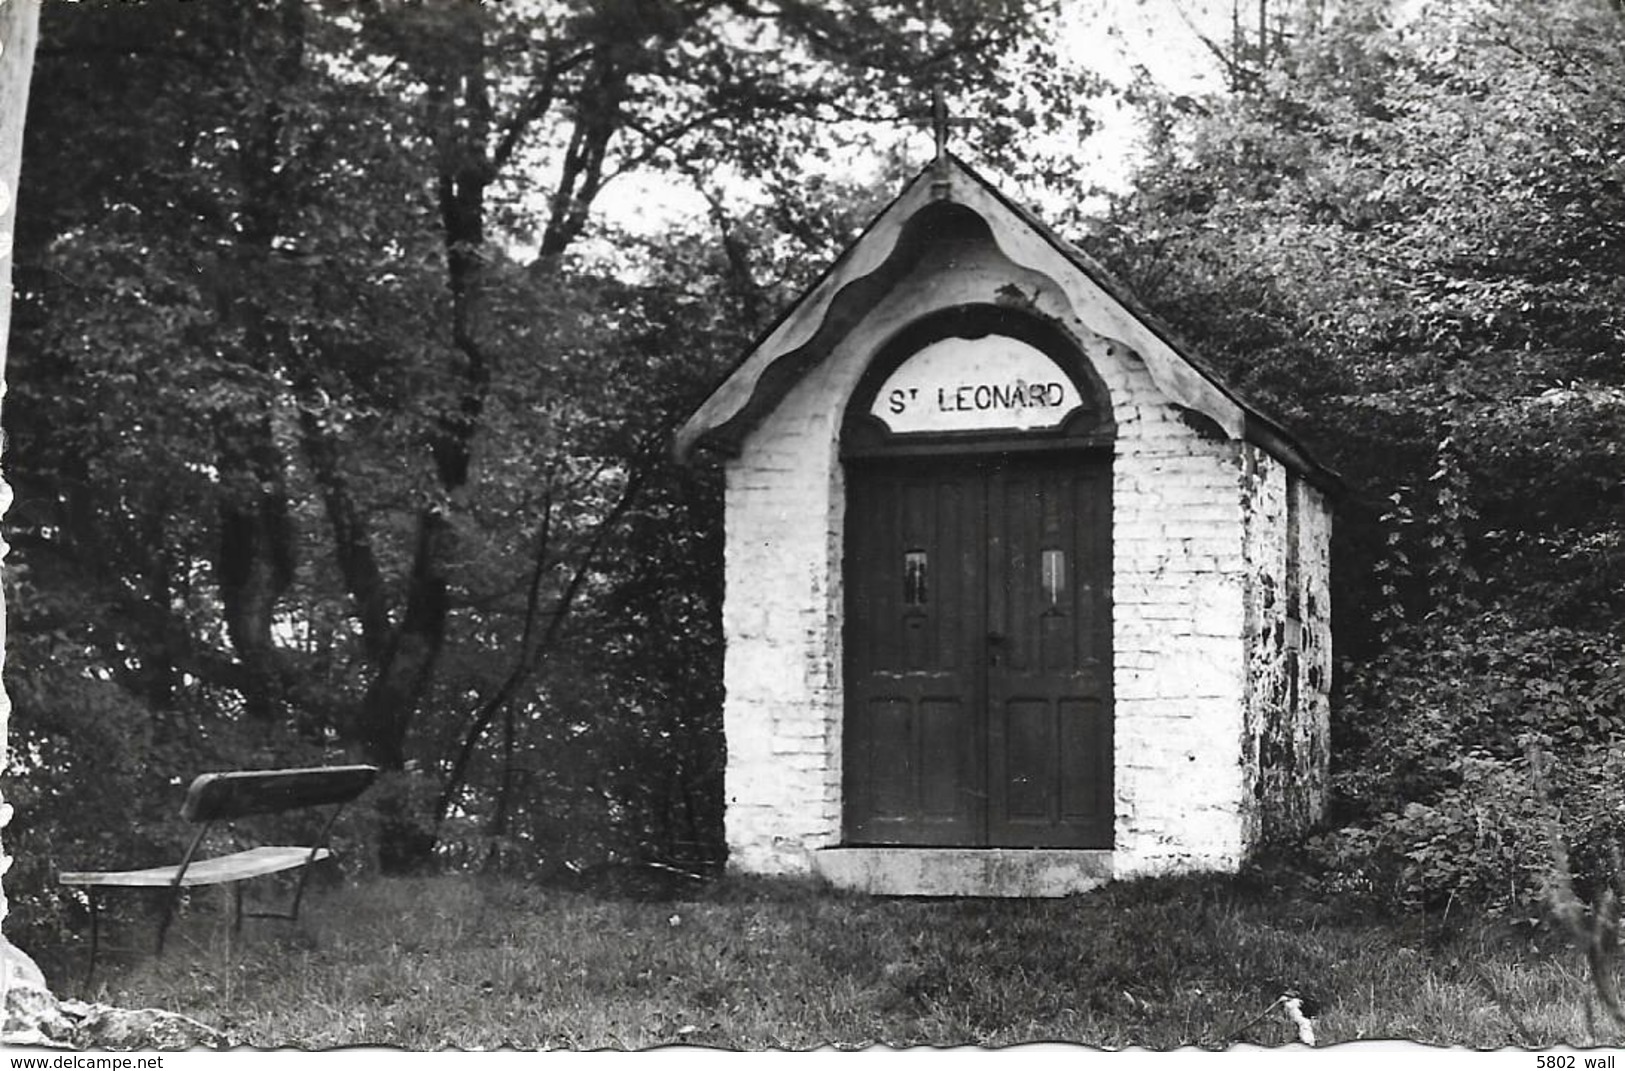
[1214,749]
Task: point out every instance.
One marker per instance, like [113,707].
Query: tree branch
[357,564]
[489,709]
[597,120]
[532,652]
[537,104]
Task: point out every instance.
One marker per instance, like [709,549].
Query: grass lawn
[469,962]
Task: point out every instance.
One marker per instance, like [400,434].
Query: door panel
[978,645]
[1049,760]
[1085,744]
[913,587]
[1029,756]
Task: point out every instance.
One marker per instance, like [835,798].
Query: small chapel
[1021,596]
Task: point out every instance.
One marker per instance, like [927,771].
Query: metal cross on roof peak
[942,122]
[939,119]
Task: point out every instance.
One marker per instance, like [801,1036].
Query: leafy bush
[1479,842]
[1436,798]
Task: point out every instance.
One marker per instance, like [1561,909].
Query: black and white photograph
[779,525]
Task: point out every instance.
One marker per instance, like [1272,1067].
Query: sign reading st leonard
[991,383]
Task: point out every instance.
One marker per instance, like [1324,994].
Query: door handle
[995,647]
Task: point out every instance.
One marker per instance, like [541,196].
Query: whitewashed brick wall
[781,717]
[1177,632]
[1185,566]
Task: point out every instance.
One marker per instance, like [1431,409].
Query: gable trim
[880,257]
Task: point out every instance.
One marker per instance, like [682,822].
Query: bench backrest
[217,797]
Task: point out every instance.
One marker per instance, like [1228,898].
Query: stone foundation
[963,871]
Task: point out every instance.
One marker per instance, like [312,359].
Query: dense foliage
[340,409]
[1406,236]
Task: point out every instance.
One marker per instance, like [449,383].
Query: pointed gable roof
[887,250]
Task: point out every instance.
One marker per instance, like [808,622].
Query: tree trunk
[256,558]
[406,832]
[257,552]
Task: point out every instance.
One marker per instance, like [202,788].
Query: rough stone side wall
[1270,751]
[1288,650]
[1178,588]
[1315,663]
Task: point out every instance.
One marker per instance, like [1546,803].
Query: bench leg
[95,934]
[299,893]
[172,904]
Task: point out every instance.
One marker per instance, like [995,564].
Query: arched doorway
[977,580]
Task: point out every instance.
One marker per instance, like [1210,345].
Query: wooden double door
[978,652]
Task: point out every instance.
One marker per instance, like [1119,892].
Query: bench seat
[227,797]
[251,863]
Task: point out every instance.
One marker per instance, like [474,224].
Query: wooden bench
[226,797]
